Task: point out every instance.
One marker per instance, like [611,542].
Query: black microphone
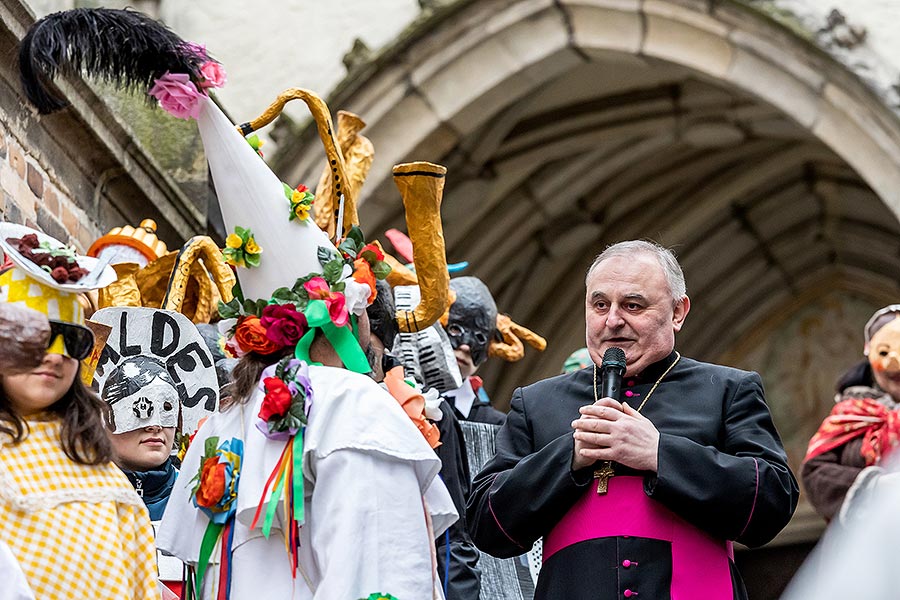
[612,369]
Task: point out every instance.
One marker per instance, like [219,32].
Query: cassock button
[629,393]
[630,383]
[629,593]
[627,563]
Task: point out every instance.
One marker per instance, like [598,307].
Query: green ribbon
[298,477]
[213,531]
[342,339]
[273,505]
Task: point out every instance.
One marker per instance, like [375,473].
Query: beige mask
[884,348]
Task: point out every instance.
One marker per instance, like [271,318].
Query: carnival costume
[49,504]
[318,485]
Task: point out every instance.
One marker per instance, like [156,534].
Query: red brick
[35,180]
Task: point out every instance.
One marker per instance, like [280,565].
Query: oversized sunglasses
[79,340]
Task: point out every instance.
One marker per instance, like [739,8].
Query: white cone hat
[252,197]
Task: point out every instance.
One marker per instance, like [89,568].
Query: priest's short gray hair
[668,262]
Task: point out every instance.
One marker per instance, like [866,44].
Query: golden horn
[340,184]
[511,349]
[198,247]
[124,290]
[358,153]
[421,185]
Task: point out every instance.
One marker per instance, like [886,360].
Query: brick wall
[33,196]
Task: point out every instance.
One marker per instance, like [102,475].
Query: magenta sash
[700,567]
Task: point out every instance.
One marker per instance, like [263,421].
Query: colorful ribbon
[287,477]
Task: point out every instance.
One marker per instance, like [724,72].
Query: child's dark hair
[83,434]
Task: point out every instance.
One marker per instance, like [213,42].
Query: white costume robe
[366,471]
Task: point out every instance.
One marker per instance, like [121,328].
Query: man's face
[628,305]
[884,356]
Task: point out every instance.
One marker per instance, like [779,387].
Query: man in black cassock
[640,498]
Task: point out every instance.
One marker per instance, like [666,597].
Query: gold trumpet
[421,186]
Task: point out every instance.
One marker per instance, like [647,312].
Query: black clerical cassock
[722,476]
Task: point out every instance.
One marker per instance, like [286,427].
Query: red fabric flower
[362,273]
[379,255]
[284,325]
[212,482]
[251,336]
[277,401]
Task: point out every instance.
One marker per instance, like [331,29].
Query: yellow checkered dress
[77,531]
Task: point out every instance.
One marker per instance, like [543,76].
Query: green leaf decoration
[288,191]
[252,260]
[325,255]
[209,447]
[285,295]
[332,270]
[231,310]
[349,247]
[338,287]
[357,236]
[381,269]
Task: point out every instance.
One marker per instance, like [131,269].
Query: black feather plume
[124,47]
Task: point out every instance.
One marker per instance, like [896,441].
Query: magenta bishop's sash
[700,567]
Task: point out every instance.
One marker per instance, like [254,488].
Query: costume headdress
[42,274]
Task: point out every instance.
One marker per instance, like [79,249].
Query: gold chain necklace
[606,471]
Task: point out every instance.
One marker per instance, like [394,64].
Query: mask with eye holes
[140,393]
[473,317]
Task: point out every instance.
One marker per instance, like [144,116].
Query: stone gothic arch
[567,125]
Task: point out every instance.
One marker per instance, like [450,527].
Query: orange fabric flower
[212,482]
[251,336]
[362,273]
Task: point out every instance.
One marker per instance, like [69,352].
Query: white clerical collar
[463,397]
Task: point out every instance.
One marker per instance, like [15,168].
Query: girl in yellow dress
[69,515]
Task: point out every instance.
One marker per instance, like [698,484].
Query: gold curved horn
[195,248]
[421,185]
[511,349]
[124,291]
[358,153]
[340,183]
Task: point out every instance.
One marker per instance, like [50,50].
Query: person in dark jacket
[471,325]
[640,498]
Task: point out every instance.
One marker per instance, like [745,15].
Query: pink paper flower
[213,75]
[177,95]
[318,289]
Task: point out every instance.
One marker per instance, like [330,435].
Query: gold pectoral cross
[602,476]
